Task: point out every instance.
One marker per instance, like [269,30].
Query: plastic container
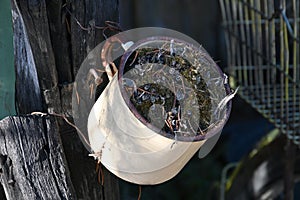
[131,147]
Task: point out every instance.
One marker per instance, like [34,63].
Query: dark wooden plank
[60,37]
[111,187]
[2,193]
[57,57]
[82,167]
[89,13]
[28,94]
[32,159]
[37,27]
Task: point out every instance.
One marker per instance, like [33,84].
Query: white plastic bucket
[136,154]
[131,148]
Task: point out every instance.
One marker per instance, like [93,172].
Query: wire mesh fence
[262,39]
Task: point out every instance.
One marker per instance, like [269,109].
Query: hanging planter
[167,100]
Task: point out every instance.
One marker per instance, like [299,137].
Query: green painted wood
[7,72]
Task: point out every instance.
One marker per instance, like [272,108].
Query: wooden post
[43,157]
[32,160]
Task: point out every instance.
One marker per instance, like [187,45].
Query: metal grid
[262,38]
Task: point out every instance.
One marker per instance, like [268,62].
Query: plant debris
[168,90]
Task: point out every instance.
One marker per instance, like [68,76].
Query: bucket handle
[106,52]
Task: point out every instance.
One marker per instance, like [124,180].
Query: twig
[135,56]
[183,86]
[142,90]
[76,92]
[100,70]
[195,132]
[76,20]
[140,192]
[99,170]
[91,90]
[98,79]
[225,100]
[115,69]
[174,103]
[68,26]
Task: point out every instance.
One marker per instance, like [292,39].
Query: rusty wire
[108,25]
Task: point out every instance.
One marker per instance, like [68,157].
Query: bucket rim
[211,131]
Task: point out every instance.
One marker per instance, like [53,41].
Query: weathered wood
[32,159]
[28,94]
[89,14]
[83,169]
[34,14]
[35,23]
[60,37]
[58,42]
[58,47]
[2,193]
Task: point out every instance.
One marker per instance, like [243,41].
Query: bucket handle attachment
[106,52]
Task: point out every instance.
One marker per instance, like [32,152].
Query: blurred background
[243,152]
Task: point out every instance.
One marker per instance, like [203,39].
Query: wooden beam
[48,56]
[32,160]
